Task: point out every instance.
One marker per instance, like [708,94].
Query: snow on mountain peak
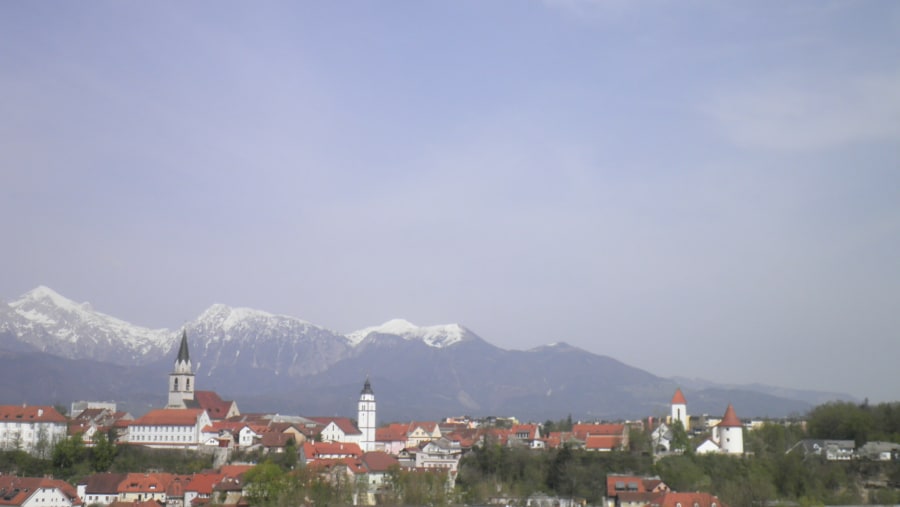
[434,336]
[45,312]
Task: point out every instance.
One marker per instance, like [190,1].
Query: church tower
[181,380]
[731,432]
[679,410]
[367,417]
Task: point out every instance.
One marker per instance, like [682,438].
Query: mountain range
[277,363]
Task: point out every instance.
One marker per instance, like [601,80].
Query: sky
[696,188]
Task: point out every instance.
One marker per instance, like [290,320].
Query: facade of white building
[33,429]
[179,428]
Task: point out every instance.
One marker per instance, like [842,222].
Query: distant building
[366,417]
[679,410]
[34,429]
[181,380]
[37,492]
[727,436]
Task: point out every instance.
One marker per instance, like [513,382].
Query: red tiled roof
[312,450]
[378,461]
[170,417]
[234,470]
[344,423]
[602,442]
[427,426]
[395,432]
[215,406]
[203,483]
[30,413]
[103,484]
[141,483]
[325,465]
[730,419]
[582,431]
[678,398]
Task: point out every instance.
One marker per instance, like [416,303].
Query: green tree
[265,484]
[68,452]
[103,453]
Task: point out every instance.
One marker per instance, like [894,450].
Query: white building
[727,436]
[366,417]
[180,428]
[37,492]
[679,410]
[34,429]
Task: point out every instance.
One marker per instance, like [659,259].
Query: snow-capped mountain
[223,337]
[52,323]
[433,336]
[276,362]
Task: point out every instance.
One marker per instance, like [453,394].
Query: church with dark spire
[181,380]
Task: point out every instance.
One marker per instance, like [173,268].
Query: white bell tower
[366,419]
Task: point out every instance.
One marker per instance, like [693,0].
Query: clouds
[811,113]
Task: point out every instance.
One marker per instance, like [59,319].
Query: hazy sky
[706,189]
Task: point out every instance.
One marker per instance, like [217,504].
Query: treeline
[72,460]
[861,423]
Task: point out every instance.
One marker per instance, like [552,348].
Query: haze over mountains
[55,351]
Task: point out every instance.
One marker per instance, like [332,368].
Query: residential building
[34,429]
[100,489]
[181,428]
[37,492]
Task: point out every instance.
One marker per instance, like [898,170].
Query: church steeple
[181,380]
[183,354]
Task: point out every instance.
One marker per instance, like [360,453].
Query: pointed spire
[678,398]
[367,387]
[183,354]
[730,419]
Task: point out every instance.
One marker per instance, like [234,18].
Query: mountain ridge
[288,361]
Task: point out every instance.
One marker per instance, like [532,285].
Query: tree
[68,452]
[265,483]
[103,453]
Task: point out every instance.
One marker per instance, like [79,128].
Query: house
[311,451]
[419,432]
[169,428]
[100,489]
[661,438]
[338,429]
[831,450]
[602,437]
[34,429]
[391,438]
[37,492]
[879,451]
[440,453]
[201,487]
[138,487]
[528,435]
[91,421]
[632,491]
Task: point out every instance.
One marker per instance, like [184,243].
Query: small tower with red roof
[679,410]
[731,433]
